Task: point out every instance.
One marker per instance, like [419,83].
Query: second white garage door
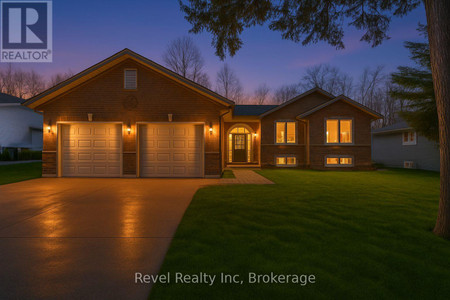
[171,150]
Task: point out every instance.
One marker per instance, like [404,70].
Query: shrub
[5,155]
[30,155]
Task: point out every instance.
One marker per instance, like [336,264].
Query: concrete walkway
[245,176]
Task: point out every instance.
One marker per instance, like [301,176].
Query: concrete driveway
[67,238]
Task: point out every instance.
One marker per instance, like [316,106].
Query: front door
[239,147]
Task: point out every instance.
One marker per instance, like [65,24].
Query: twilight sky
[85,32]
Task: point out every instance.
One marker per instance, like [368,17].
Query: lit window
[286,161]
[332,161]
[281,160]
[290,160]
[338,161]
[345,161]
[332,131]
[339,131]
[285,133]
[409,138]
[130,79]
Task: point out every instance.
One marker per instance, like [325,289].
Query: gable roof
[401,125]
[111,61]
[345,99]
[314,90]
[252,110]
[9,99]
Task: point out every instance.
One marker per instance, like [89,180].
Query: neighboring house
[20,127]
[128,116]
[398,145]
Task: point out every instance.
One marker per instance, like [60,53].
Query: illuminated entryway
[240,144]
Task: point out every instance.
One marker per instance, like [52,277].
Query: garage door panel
[68,143]
[91,150]
[175,150]
[179,144]
[163,170]
[179,156]
[163,131]
[194,157]
[97,157]
[101,131]
[195,144]
[84,156]
[84,143]
[84,130]
[114,144]
[100,143]
[163,144]
[163,157]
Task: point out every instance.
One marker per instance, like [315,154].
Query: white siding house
[399,146]
[20,127]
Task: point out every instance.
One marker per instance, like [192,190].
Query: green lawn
[228,174]
[19,172]
[364,235]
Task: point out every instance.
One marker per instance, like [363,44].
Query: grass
[228,174]
[20,172]
[364,235]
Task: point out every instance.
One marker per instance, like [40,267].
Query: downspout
[221,137]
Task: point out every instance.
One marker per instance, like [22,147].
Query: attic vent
[130,79]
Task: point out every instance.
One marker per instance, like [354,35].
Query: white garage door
[91,150]
[171,150]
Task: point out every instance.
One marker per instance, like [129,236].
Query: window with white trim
[339,131]
[338,161]
[130,79]
[409,138]
[285,132]
[286,160]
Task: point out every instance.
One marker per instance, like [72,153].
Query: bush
[30,155]
[5,155]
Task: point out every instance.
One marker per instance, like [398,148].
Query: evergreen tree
[415,87]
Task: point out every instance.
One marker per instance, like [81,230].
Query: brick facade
[155,98]
[159,95]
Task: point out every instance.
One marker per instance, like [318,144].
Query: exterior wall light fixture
[210,128]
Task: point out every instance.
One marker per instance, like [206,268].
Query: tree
[285,93]
[184,58]
[35,84]
[414,85]
[229,85]
[59,77]
[20,83]
[262,94]
[323,20]
[328,78]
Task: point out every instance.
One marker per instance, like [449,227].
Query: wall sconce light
[129,128]
[49,126]
[210,128]
[255,135]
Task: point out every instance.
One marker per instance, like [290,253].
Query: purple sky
[86,32]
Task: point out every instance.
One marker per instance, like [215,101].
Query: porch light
[49,129]
[210,128]
[255,135]
[129,127]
